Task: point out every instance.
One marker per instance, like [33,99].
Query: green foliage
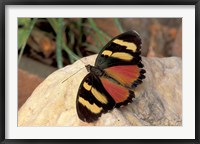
[59,42]
[24,31]
[117,23]
[26,25]
[68,37]
[23,35]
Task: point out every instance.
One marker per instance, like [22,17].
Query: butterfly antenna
[73,74]
[82,61]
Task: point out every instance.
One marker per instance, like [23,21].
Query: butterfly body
[111,81]
[95,70]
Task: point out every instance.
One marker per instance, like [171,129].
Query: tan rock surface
[158,99]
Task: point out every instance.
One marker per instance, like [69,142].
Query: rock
[25,88]
[158,99]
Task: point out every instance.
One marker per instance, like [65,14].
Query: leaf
[54,23]
[24,22]
[118,24]
[23,35]
[94,26]
[59,43]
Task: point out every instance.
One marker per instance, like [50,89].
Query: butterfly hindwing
[92,99]
[120,94]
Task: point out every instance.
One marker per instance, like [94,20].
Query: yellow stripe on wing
[100,97]
[107,52]
[122,55]
[87,86]
[92,107]
[129,45]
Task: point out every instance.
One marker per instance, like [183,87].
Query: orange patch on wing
[118,92]
[124,74]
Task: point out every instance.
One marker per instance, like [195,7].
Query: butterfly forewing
[121,59]
[121,50]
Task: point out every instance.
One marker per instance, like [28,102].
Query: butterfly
[111,81]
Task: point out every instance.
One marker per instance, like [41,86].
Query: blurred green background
[46,44]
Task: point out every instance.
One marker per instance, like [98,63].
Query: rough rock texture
[158,99]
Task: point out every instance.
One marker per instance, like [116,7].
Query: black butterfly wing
[123,49]
[121,59]
[92,99]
